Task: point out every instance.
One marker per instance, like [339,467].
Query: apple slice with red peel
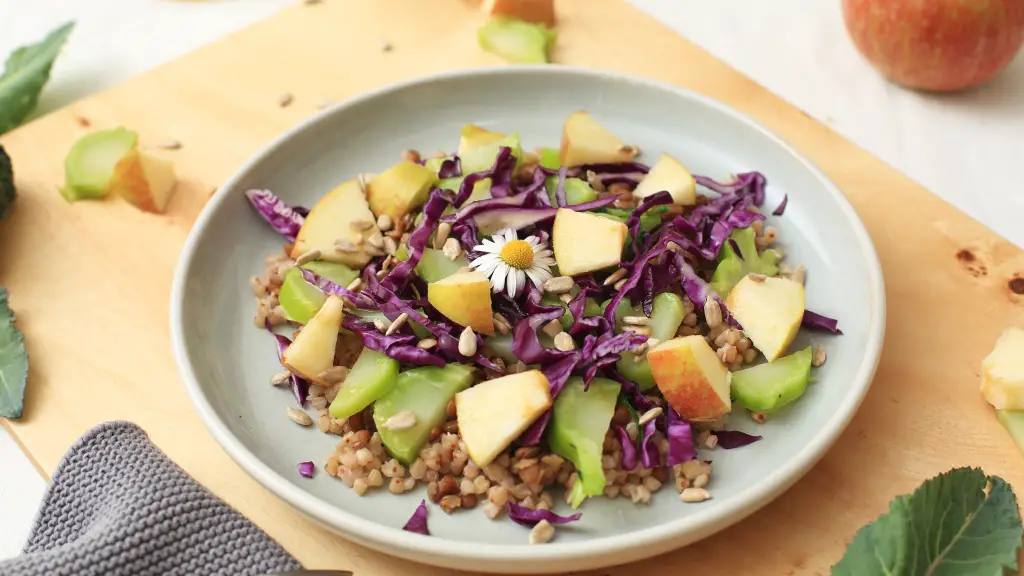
[89,165]
[691,377]
[144,180]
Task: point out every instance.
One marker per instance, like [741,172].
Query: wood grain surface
[90,282]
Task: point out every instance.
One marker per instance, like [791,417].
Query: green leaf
[25,74]
[13,363]
[960,523]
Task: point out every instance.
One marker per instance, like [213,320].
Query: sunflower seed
[558,284]
[398,323]
[502,325]
[650,415]
[467,342]
[375,240]
[385,46]
[170,145]
[309,256]
[759,278]
[818,356]
[692,495]
[452,249]
[633,151]
[636,320]
[298,416]
[652,343]
[552,328]
[333,375]
[342,245]
[401,420]
[426,343]
[564,342]
[639,350]
[615,277]
[380,325]
[618,285]
[390,246]
[441,235]
[360,225]
[321,104]
[355,285]
[384,222]
[712,313]
[542,533]
[284,100]
[565,297]
[281,378]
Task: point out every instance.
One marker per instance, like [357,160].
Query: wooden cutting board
[90,282]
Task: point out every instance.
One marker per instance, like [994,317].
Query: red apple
[938,45]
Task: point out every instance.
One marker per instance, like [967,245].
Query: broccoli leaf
[25,74]
[959,523]
[13,363]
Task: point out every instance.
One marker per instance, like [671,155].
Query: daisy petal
[512,281]
[510,235]
[483,260]
[490,266]
[520,281]
[498,277]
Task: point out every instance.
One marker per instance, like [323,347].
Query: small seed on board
[467,342]
[385,46]
[650,415]
[401,421]
[397,324]
[298,416]
[170,144]
[281,378]
[284,100]
[306,257]
[426,343]
[564,342]
[615,277]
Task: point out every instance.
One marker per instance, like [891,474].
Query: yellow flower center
[517,254]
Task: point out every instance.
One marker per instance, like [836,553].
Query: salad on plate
[511,328]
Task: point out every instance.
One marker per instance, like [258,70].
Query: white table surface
[963,147]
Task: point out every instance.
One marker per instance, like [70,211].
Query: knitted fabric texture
[117,506]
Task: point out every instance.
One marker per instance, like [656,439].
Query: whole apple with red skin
[938,45]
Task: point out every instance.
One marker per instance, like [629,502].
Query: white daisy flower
[508,261]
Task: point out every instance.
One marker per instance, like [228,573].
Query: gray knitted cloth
[117,506]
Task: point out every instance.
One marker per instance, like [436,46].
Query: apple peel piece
[145,181]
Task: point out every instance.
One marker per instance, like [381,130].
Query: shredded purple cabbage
[330,288]
[418,521]
[300,388]
[401,347]
[681,446]
[649,455]
[730,439]
[525,517]
[285,219]
[306,469]
[450,168]
[782,206]
[816,321]
[628,447]
[560,189]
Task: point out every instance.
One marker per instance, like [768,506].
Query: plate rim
[591,553]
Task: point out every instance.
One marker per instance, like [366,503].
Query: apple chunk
[494,413]
[464,298]
[584,242]
[770,311]
[473,136]
[144,180]
[330,220]
[668,174]
[691,377]
[399,189]
[312,352]
[584,141]
[536,11]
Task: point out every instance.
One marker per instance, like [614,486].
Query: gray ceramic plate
[225,362]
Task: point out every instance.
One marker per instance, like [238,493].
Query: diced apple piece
[1002,372]
[400,189]
[770,311]
[691,377]
[464,298]
[495,412]
[668,174]
[143,180]
[89,165]
[480,158]
[537,11]
[473,136]
[516,41]
[330,220]
[584,141]
[312,352]
[584,242]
